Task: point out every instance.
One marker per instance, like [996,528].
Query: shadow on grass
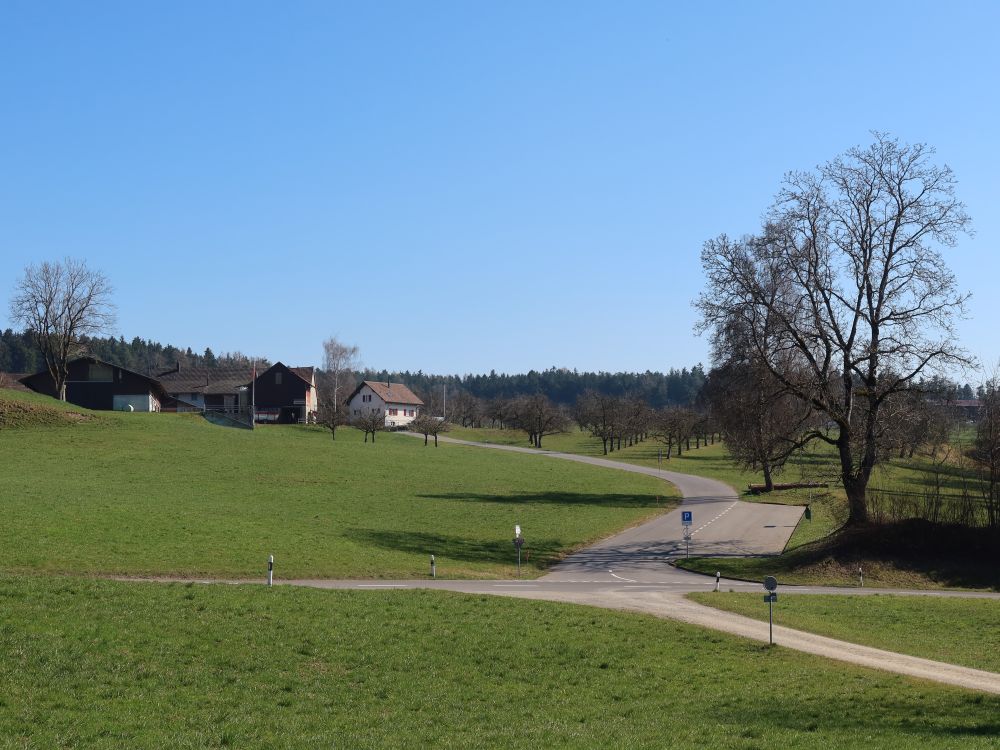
[951,556]
[554,498]
[465,549]
[909,718]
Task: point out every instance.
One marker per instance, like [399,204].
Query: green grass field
[958,631]
[109,665]
[148,494]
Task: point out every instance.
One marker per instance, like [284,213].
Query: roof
[206,380]
[391,393]
[305,374]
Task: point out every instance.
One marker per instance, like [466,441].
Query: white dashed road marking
[716,518]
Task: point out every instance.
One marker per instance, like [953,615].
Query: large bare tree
[847,283]
[339,363]
[60,303]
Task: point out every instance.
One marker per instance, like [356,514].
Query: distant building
[95,384]
[285,394]
[399,404]
[224,389]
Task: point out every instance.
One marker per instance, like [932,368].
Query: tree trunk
[425,438]
[768,479]
[604,442]
[857,502]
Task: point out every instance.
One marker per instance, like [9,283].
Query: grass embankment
[109,665]
[957,631]
[150,494]
[19,409]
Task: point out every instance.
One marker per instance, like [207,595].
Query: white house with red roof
[398,403]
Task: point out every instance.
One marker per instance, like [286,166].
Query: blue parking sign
[686,517]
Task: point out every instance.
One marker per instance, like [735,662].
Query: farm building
[94,384]
[224,389]
[286,394]
[399,404]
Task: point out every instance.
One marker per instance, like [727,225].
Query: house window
[277,378]
[393,412]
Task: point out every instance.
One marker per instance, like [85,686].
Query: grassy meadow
[958,631]
[163,494]
[107,665]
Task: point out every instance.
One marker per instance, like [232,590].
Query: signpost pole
[771,586]
[770,620]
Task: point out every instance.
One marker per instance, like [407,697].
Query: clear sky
[461,186]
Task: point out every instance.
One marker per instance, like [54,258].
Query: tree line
[19,353]
[560,385]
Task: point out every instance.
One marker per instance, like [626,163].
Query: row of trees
[560,385]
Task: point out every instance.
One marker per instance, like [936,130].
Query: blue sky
[454,186]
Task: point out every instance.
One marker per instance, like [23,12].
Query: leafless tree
[369,423]
[847,283]
[762,424]
[673,426]
[339,363]
[597,413]
[465,409]
[539,417]
[498,411]
[60,303]
[427,424]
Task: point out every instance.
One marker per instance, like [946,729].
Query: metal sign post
[771,584]
[687,518]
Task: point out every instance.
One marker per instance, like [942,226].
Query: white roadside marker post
[518,543]
[718,578]
[433,568]
[270,570]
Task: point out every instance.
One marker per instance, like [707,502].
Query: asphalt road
[722,526]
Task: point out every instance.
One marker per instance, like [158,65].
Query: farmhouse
[94,384]
[399,404]
[224,389]
[286,394]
